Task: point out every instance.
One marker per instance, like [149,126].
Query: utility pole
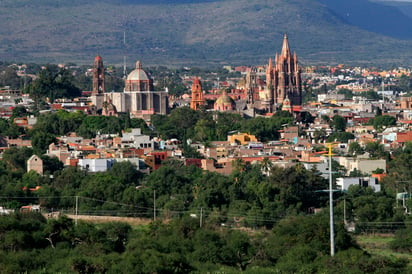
[344,210]
[201,217]
[332,232]
[76,210]
[154,205]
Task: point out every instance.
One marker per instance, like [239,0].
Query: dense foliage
[298,244]
[184,123]
[246,197]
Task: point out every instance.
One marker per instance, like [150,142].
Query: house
[134,139]
[96,165]
[241,138]
[30,208]
[364,165]
[35,163]
[345,183]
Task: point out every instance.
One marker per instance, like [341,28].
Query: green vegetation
[184,123]
[383,121]
[387,245]
[297,244]
[250,222]
[53,83]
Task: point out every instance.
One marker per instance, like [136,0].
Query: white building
[345,183]
[363,165]
[136,139]
[96,165]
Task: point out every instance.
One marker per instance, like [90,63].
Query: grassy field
[104,219]
[378,244]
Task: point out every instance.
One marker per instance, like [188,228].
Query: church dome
[225,102]
[224,99]
[138,74]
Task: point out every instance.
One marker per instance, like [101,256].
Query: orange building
[197,95]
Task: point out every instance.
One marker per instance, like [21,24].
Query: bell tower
[197,95]
[98,76]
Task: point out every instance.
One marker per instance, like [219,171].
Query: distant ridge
[189,33]
[378,17]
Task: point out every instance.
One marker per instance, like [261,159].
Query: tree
[179,124]
[296,236]
[383,121]
[204,130]
[60,230]
[126,173]
[347,92]
[375,149]
[402,241]
[370,94]
[342,137]
[266,165]
[51,164]
[16,158]
[225,123]
[355,149]
[238,250]
[404,83]
[41,140]
[338,123]
[53,83]
[18,111]
[9,77]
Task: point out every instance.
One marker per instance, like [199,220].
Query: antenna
[124,55]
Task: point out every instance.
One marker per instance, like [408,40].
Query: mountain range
[206,32]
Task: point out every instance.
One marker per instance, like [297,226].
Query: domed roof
[224,99]
[138,74]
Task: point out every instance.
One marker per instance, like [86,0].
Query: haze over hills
[405,6]
[191,32]
[378,17]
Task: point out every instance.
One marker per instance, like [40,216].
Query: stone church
[283,81]
[138,97]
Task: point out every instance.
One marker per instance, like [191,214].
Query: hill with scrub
[201,33]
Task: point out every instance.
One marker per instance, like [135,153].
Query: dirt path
[105,219]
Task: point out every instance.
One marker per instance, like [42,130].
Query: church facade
[283,81]
[138,97]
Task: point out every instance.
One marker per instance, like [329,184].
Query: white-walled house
[345,183]
[136,139]
[96,165]
[361,164]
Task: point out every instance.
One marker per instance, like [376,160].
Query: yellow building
[241,138]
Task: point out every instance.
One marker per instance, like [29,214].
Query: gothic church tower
[283,80]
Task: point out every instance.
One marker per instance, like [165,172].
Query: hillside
[202,32]
[380,17]
[404,6]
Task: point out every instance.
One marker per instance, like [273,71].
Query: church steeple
[285,46]
[283,80]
